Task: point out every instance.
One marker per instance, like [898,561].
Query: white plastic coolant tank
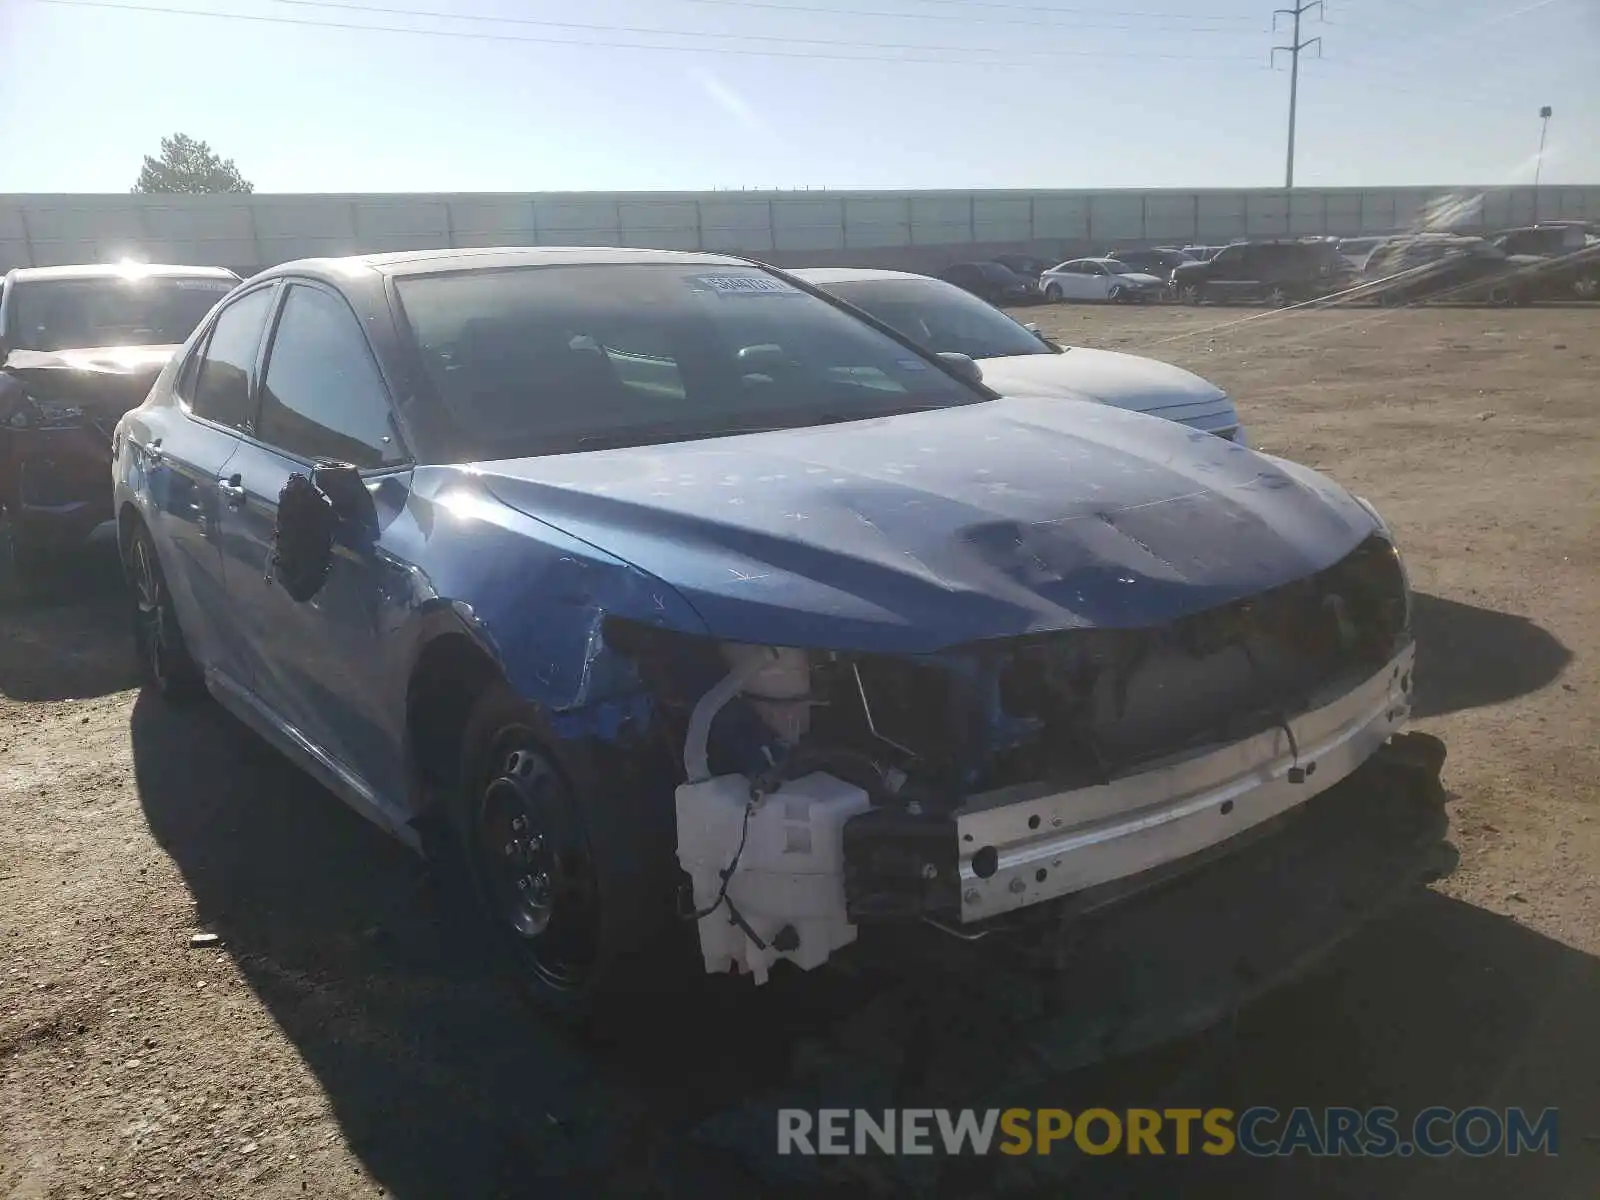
[791,872]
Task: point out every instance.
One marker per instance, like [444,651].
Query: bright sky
[759,93]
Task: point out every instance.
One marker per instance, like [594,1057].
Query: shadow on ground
[70,637]
[1470,657]
[442,1080]
[446,1085]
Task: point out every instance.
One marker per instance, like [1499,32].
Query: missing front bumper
[1021,846]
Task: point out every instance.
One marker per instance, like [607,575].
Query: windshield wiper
[641,435]
[645,435]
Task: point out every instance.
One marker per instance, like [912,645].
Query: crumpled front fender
[534,598]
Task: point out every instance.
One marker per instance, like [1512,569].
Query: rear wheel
[1586,287]
[1278,296]
[163,655]
[1191,293]
[1501,296]
[578,886]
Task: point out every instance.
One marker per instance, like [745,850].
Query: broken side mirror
[347,491]
[962,365]
[330,505]
[302,542]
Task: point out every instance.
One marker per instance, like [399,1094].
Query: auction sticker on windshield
[744,285]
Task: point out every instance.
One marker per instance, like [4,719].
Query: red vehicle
[79,346]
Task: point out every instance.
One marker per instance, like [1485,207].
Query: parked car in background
[678,604]
[1568,254]
[1017,360]
[1450,267]
[992,282]
[1277,272]
[1545,240]
[79,346]
[1024,266]
[1100,281]
[1160,262]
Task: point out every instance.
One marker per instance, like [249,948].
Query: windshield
[73,314]
[940,317]
[543,360]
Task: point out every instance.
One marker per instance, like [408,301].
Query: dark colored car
[1161,261]
[678,601]
[1024,266]
[992,282]
[79,346]
[1277,272]
[1442,267]
[1569,257]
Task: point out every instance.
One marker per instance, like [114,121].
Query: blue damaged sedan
[695,614]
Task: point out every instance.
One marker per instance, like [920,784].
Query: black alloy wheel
[163,654]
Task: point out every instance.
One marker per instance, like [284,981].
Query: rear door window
[221,388]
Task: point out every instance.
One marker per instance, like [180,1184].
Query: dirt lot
[346,1039]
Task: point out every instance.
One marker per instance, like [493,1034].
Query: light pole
[1293,50]
[1538,165]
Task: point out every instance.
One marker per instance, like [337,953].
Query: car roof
[428,262]
[121,271]
[823,276]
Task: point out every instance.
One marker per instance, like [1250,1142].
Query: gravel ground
[344,1038]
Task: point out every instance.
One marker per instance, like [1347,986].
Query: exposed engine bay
[824,790]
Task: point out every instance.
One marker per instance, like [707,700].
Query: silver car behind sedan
[1018,361]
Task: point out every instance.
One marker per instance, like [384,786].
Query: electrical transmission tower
[1293,51]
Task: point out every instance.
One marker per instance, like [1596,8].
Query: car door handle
[232,491]
[154,452]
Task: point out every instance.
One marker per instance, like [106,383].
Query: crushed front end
[58,412]
[825,791]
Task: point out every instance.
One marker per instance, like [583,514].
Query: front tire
[1191,294]
[576,882]
[1115,294]
[164,657]
[1053,294]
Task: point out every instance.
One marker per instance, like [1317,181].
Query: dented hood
[105,381]
[916,532]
